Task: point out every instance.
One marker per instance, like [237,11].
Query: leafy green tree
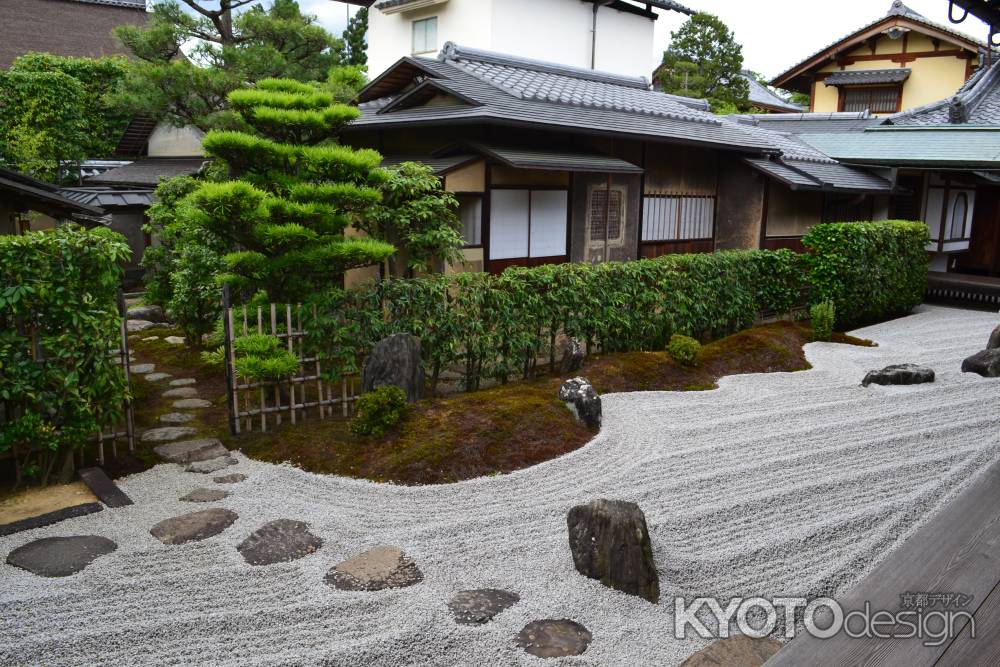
[356,39]
[291,193]
[57,111]
[232,49]
[705,61]
[344,82]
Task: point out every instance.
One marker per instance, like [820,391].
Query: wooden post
[263,397]
[291,346]
[277,389]
[126,365]
[319,376]
[231,391]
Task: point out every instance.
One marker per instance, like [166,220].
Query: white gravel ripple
[778,484]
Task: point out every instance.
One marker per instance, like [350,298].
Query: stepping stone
[279,541]
[189,451]
[550,638]
[205,496]
[143,369]
[135,326]
[194,526]
[192,403]
[899,374]
[150,338]
[375,570]
[183,382]
[60,556]
[147,313]
[181,392]
[175,340]
[49,518]
[736,650]
[230,479]
[176,418]
[156,377]
[480,606]
[211,465]
[168,433]
[106,490]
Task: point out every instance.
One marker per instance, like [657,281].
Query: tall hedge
[870,271]
[58,323]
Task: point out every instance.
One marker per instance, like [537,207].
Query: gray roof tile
[762,96]
[864,77]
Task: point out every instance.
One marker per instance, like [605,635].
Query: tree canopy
[705,61]
[355,39]
[231,49]
[56,111]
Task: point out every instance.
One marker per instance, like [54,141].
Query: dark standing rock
[204,496]
[380,568]
[194,526]
[480,606]
[395,361]
[554,638]
[736,650]
[582,399]
[899,374]
[572,356]
[148,313]
[994,341]
[610,542]
[60,556]
[985,363]
[279,541]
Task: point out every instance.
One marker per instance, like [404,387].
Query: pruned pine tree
[292,193]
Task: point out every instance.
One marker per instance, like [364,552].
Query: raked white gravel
[777,484]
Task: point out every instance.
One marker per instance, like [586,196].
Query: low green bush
[823,316]
[260,357]
[684,350]
[378,411]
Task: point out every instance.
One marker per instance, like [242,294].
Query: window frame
[482,216]
[426,21]
[845,91]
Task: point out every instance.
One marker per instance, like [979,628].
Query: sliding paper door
[548,223]
[509,210]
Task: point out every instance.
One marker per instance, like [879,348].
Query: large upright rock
[610,542]
[582,399]
[148,313]
[395,360]
[994,341]
[985,363]
[899,374]
[572,356]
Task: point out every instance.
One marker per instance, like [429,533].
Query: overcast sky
[775,34]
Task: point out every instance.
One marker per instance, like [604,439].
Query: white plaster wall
[169,141]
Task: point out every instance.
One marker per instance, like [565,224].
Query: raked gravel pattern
[779,484]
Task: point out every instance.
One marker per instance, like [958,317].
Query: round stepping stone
[192,403]
[175,340]
[194,526]
[375,570]
[736,650]
[156,377]
[480,606]
[279,541]
[181,392]
[176,418]
[143,369]
[550,638]
[189,451]
[211,465]
[60,556]
[230,479]
[168,433]
[205,496]
[183,382]
[135,326]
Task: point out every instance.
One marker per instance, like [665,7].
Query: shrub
[870,271]
[823,315]
[195,304]
[378,411]
[260,357]
[684,350]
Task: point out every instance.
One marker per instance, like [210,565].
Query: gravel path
[792,483]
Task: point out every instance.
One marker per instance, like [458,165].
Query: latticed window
[605,216]
[880,99]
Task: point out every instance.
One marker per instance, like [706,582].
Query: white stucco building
[609,35]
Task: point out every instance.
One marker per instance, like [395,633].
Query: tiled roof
[107,198]
[864,77]
[149,171]
[762,96]
[136,4]
[958,146]
[816,123]
[540,158]
[43,196]
[976,103]
[440,165]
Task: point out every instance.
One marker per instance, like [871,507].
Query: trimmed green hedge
[869,270]
[58,322]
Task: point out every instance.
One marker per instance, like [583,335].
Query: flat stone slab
[192,403]
[736,650]
[147,313]
[279,541]
[550,638]
[60,556]
[151,338]
[211,465]
[194,526]
[205,496]
[156,377]
[50,518]
[135,326]
[181,392]
[143,369]
[176,418]
[899,374]
[189,451]
[477,607]
[104,487]
[375,570]
[168,433]
[183,382]
[235,478]
[175,340]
